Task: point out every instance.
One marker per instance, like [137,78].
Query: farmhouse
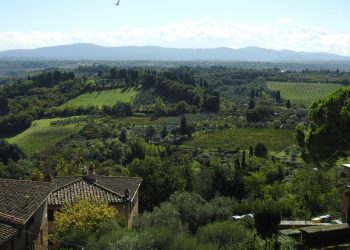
[27,208]
[119,192]
[23,214]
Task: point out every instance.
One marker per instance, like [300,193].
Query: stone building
[119,192]
[23,214]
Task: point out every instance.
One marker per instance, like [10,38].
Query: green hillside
[275,139]
[303,93]
[41,135]
[100,98]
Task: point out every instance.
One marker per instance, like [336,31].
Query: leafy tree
[243,159]
[184,128]
[183,125]
[191,208]
[78,221]
[288,104]
[163,216]
[211,102]
[181,108]
[160,179]
[4,107]
[150,132]
[238,188]
[164,132]
[9,152]
[226,234]
[254,185]
[267,216]
[15,123]
[252,94]
[278,96]
[160,107]
[327,134]
[251,104]
[260,150]
[251,151]
[122,137]
[121,109]
[14,171]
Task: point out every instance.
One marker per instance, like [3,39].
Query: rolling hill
[84,51]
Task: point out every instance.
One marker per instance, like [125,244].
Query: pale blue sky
[312,25]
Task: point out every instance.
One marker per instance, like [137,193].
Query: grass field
[106,97]
[303,93]
[274,139]
[41,135]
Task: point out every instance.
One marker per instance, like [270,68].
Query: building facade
[120,192]
[23,215]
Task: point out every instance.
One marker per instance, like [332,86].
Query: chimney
[90,174]
[48,178]
[127,194]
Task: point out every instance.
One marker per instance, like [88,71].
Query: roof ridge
[119,176]
[28,181]
[108,189]
[104,176]
[12,219]
[67,184]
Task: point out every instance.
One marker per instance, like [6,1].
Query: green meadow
[41,135]
[101,98]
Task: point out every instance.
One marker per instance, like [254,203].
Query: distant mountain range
[84,51]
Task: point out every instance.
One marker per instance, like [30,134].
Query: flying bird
[117,3]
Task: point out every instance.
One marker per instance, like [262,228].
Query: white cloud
[286,20]
[194,34]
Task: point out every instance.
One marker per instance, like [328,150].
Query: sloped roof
[19,199]
[108,188]
[7,232]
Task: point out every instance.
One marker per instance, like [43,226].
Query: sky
[300,25]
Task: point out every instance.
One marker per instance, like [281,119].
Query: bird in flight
[117,3]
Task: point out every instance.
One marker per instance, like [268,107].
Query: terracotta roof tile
[110,189]
[7,232]
[19,199]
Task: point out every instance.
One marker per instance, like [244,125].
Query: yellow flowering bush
[78,221]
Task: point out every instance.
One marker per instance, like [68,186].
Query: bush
[260,150]
[224,234]
[267,217]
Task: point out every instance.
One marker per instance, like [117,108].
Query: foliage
[267,216]
[9,152]
[225,234]
[329,121]
[77,222]
[260,150]
[160,178]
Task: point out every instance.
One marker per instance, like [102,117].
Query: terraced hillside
[303,93]
[275,139]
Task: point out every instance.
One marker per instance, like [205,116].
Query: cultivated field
[274,139]
[303,93]
[100,98]
[41,135]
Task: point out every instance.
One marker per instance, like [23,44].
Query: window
[50,215]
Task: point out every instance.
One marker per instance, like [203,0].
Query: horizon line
[180,48]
